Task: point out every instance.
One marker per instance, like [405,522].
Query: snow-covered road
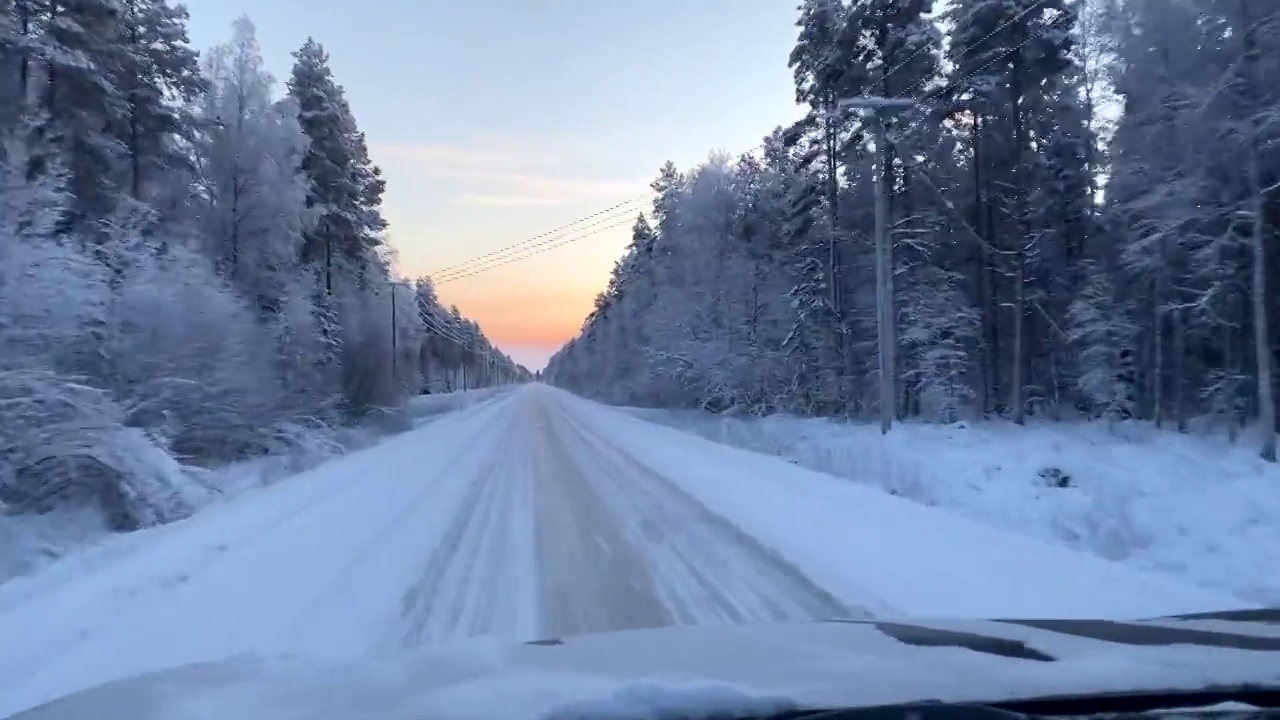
[563,534]
[532,515]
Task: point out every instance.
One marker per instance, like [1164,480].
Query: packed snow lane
[622,548]
[533,515]
[602,543]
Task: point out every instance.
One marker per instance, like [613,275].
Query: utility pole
[879,108]
[1257,207]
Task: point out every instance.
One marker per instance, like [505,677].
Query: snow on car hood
[670,671]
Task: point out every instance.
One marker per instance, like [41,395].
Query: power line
[928,178]
[553,239]
[930,99]
[490,354]
[564,241]
[443,329]
[462,266]
[942,93]
[1031,8]
[548,240]
[619,219]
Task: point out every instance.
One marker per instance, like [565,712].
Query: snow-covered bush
[64,440]
[188,358]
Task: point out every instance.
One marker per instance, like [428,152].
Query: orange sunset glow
[529,307]
[531,316]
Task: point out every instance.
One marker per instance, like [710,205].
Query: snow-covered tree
[252,199]
[1102,329]
[161,300]
[1021,287]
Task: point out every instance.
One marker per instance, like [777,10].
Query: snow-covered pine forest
[1082,211]
[194,266]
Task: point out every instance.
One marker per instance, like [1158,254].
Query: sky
[495,121]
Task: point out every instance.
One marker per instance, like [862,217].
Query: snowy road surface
[533,515]
[611,545]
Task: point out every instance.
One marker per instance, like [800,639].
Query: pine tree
[1012,62]
[1104,335]
[81,99]
[159,79]
[333,191]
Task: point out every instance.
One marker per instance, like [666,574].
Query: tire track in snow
[594,579]
[560,533]
[477,580]
[421,602]
[707,569]
[430,489]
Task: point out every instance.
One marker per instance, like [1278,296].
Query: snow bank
[1197,508]
[304,447]
[426,407]
[30,542]
[878,551]
[313,566]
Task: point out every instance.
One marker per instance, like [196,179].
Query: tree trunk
[51,82]
[24,62]
[833,214]
[328,263]
[1157,347]
[1019,291]
[135,139]
[1179,368]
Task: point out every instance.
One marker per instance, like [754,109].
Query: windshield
[562,348]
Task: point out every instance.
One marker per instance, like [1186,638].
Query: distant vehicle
[1220,665]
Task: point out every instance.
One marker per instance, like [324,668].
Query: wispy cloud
[458,159]
[505,200]
[503,174]
[567,187]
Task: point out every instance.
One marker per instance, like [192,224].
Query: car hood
[676,671]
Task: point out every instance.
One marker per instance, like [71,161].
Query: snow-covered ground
[425,408]
[29,542]
[529,515]
[1197,508]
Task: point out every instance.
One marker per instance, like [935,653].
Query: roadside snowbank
[424,408]
[313,566]
[29,542]
[308,448]
[1197,508]
[893,556]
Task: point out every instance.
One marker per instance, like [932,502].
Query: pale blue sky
[496,120]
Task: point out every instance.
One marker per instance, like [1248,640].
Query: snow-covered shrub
[63,439]
[188,358]
[51,429]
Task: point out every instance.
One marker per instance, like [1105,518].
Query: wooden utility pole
[1257,211]
[879,108]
